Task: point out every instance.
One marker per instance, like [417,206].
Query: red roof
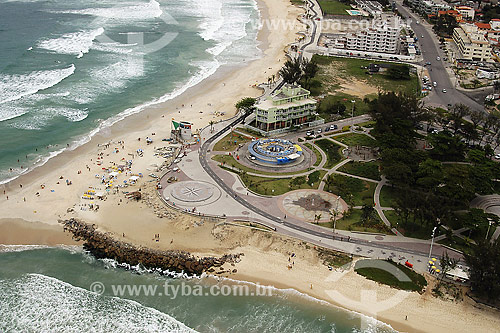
[483,25]
[497,20]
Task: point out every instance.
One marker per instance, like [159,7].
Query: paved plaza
[305,205]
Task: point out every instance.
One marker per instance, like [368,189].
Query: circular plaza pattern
[189,192]
[274,151]
[306,204]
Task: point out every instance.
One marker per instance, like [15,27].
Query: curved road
[438,74]
[298,231]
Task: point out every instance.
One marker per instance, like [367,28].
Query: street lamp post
[352,115]
[335,215]
[490,222]
[432,242]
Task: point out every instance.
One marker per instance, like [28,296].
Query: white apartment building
[466,12]
[430,7]
[382,36]
[471,43]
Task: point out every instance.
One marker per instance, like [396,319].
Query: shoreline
[129,122]
[265,257]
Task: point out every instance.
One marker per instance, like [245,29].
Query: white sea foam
[86,93]
[13,87]
[37,302]
[142,11]
[113,47]
[8,111]
[372,322]
[77,43]
[21,248]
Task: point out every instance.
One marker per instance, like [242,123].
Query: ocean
[70,68]
[46,289]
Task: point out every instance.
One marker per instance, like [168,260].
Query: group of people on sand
[291,261]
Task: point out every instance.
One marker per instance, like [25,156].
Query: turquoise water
[69,68]
[48,290]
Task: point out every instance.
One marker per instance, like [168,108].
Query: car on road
[438,58]
[428,63]
[422,36]
[434,84]
[444,90]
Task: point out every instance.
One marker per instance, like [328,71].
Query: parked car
[333,127]
[434,84]
[319,131]
[497,156]
[309,133]
[327,129]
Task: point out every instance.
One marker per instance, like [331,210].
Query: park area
[333,7]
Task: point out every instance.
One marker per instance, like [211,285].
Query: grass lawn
[230,142]
[388,195]
[249,132]
[361,191]
[229,160]
[316,152]
[356,139]
[352,222]
[360,107]
[265,186]
[353,68]
[456,243]
[362,169]
[367,124]
[333,7]
[332,151]
[333,258]
[384,276]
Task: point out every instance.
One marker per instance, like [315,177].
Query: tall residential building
[381,36]
[466,12]
[472,43]
[289,106]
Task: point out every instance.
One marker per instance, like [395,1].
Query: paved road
[311,233]
[430,52]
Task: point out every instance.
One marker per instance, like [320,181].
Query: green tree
[398,72]
[246,104]
[291,72]
[484,263]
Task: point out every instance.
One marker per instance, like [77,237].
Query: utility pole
[432,242]
[490,222]
[352,115]
[335,213]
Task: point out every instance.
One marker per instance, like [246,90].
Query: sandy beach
[32,204]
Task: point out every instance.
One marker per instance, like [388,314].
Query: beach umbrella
[437,271]
[431,262]
[434,259]
[433,267]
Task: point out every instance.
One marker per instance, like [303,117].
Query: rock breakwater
[103,245]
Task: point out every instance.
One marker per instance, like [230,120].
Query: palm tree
[211,123]
[329,182]
[317,217]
